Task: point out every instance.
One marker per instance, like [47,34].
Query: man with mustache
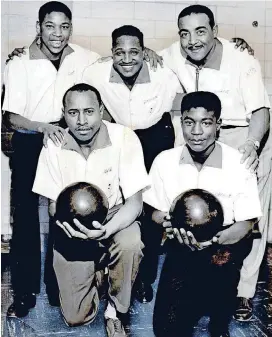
[109,156]
[34,86]
[199,281]
[204,62]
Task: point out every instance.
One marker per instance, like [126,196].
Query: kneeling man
[109,156]
[202,280]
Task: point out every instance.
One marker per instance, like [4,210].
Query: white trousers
[250,271]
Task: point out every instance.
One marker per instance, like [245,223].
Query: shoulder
[162,72]
[173,49]
[167,159]
[231,158]
[17,67]
[101,68]
[236,57]
[84,53]
[52,148]
[117,132]
[22,60]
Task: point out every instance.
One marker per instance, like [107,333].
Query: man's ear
[215,31]
[38,28]
[63,112]
[101,108]
[218,124]
[71,31]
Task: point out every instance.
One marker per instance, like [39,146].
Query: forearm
[236,232]
[126,215]
[52,207]
[159,216]
[18,122]
[259,124]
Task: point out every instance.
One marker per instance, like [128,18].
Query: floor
[45,320]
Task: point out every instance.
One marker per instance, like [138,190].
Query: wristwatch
[255,142]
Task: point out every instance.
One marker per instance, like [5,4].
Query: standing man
[204,62]
[135,96]
[141,100]
[34,87]
[110,156]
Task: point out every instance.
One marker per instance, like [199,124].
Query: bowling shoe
[21,305]
[144,292]
[115,327]
[244,310]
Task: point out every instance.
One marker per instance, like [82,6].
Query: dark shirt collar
[214,58]
[143,76]
[214,159]
[102,140]
[35,52]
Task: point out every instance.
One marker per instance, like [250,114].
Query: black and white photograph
[136,168]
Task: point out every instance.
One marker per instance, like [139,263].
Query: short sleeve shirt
[116,165]
[34,88]
[173,172]
[233,76]
[151,96]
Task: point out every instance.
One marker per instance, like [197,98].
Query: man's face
[55,31]
[196,35]
[83,114]
[199,128]
[127,56]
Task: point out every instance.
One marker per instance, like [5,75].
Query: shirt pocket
[150,104]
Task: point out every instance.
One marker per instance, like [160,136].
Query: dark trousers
[191,286]
[154,140]
[157,138]
[25,244]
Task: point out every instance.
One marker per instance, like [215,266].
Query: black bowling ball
[198,211]
[86,203]
[83,201]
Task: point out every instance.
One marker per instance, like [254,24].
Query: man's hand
[168,226]
[53,132]
[84,233]
[16,52]
[250,155]
[104,59]
[188,239]
[153,58]
[239,42]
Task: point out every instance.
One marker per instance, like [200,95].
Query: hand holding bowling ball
[83,204]
[199,212]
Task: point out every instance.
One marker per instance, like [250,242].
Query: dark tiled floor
[45,320]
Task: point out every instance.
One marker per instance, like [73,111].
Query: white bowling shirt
[116,164]
[34,88]
[232,75]
[151,96]
[174,172]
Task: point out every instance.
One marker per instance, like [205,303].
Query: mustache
[83,129]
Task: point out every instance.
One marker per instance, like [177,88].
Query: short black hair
[82,87]
[197,9]
[54,6]
[202,99]
[127,30]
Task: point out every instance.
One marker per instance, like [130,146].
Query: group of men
[56,98]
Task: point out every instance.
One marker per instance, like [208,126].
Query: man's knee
[130,239]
